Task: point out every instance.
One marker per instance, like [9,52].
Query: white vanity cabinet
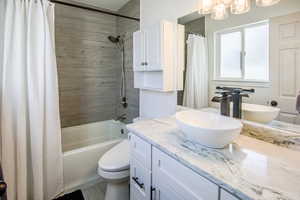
[140,169]
[157,176]
[174,181]
[158,57]
[140,181]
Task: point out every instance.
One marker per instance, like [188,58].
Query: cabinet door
[140,181]
[153,48]
[172,180]
[166,193]
[140,150]
[160,46]
[139,51]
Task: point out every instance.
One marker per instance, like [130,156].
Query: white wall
[263,92]
[159,104]
[154,10]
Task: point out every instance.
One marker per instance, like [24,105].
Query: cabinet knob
[274,103]
[146,63]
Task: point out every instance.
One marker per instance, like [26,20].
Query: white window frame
[217,57]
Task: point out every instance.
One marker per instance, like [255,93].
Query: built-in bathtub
[83,146]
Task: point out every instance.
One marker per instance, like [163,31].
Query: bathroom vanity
[164,166]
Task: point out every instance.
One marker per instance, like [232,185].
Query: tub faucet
[121,118]
[235,95]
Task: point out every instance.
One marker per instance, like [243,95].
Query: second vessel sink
[208,129]
[259,113]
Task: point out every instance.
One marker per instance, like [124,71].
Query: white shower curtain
[196,82]
[30,131]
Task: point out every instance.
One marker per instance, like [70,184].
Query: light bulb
[219,12]
[264,3]
[240,6]
[206,6]
[226,2]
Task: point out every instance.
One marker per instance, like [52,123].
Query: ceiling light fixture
[206,6]
[227,3]
[218,8]
[264,3]
[240,6]
[219,12]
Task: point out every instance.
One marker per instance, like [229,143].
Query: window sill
[244,83]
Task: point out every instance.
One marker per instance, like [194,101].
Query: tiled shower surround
[89,66]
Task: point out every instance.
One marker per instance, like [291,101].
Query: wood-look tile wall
[88,65]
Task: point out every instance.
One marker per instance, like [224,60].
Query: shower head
[114,39]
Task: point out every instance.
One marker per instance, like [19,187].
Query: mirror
[258,50]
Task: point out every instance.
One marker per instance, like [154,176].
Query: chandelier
[219,9]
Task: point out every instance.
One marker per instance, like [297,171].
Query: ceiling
[113,5]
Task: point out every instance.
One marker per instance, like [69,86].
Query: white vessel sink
[259,113]
[208,129]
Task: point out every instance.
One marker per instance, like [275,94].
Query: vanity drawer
[227,196]
[140,181]
[140,151]
[173,180]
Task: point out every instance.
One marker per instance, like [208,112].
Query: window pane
[256,49]
[230,63]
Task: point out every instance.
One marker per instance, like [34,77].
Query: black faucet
[224,100]
[235,95]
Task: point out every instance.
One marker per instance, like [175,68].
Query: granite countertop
[249,168]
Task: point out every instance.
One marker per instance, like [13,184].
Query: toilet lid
[116,159]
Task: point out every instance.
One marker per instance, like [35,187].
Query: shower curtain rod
[95,10]
[199,34]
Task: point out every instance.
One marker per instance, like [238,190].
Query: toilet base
[117,191]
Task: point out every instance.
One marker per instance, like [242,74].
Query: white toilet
[114,168]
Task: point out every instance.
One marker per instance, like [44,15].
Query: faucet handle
[223,93]
[249,90]
[235,90]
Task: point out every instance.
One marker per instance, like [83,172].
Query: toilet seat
[114,175]
[116,160]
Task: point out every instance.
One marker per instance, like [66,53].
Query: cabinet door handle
[136,180]
[153,196]
[146,63]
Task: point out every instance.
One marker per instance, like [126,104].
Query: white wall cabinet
[154,47]
[158,57]
[164,178]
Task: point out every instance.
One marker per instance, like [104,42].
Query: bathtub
[83,146]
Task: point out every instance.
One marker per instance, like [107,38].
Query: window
[242,54]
